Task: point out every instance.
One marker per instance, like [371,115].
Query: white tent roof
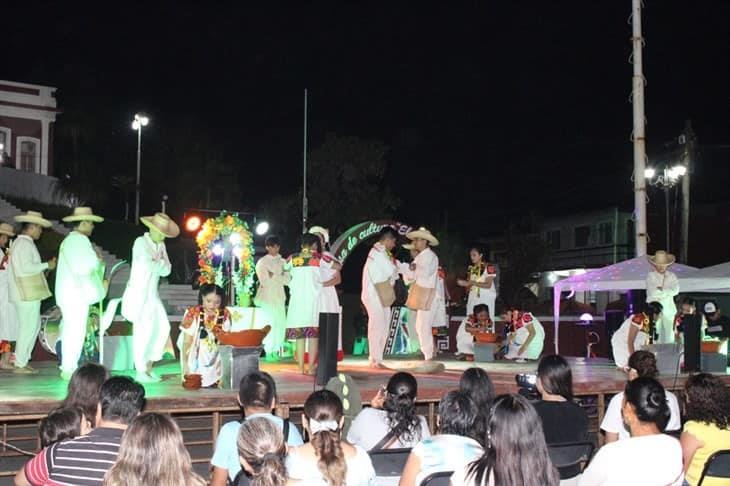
[710,279]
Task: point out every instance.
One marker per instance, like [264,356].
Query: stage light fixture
[235,238]
[218,249]
[262,228]
[649,173]
[193,224]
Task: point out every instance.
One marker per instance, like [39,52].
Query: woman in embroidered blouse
[199,331]
[480,282]
[636,332]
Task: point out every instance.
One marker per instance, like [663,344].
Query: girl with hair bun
[262,451]
[326,458]
[649,457]
[391,421]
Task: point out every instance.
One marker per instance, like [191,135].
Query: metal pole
[639,136]
[666,219]
[689,144]
[305,209]
[139,172]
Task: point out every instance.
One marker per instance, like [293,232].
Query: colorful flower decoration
[227,233]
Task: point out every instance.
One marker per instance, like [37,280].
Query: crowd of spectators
[100,435]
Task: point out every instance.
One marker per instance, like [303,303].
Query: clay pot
[244,339]
[192,382]
[485,337]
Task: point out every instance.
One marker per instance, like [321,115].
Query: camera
[527,385]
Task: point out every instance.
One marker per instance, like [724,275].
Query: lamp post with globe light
[665,178]
[137,124]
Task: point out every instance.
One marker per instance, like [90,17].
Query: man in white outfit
[663,286]
[79,284]
[379,272]
[8,319]
[425,268]
[141,304]
[271,296]
[27,285]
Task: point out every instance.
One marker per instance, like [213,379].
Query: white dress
[478,295]
[426,276]
[620,339]
[272,298]
[520,335]
[8,317]
[302,317]
[203,358]
[670,288]
[329,302]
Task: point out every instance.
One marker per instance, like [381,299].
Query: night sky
[491,109]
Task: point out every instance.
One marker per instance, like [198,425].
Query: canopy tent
[626,275]
[709,279]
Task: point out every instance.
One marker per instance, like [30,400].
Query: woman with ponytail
[648,457]
[326,459]
[391,422]
[262,451]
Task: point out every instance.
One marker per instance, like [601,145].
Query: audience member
[648,457]
[707,429]
[516,452]
[257,397]
[83,389]
[326,459]
[475,383]
[85,459]
[262,451]
[641,364]
[391,421]
[61,424]
[454,446]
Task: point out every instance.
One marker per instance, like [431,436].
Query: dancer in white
[79,284]
[28,286]
[527,335]
[141,304]
[422,295]
[378,277]
[8,318]
[271,296]
[663,286]
[474,323]
[635,333]
[480,284]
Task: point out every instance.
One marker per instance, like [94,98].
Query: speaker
[614,319]
[692,326]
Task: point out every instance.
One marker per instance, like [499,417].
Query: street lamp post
[665,179]
[137,124]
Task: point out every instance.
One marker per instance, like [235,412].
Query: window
[582,235]
[552,238]
[605,233]
[28,154]
[5,141]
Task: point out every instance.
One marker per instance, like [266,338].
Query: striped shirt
[82,461]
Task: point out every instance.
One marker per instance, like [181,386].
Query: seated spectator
[707,429]
[152,452]
[326,459]
[257,397]
[83,389]
[641,364]
[392,421]
[648,457]
[475,383]
[455,445]
[516,454]
[61,424]
[262,451]
[85,459]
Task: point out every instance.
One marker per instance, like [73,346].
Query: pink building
[27,116]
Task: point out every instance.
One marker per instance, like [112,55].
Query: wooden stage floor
[34,395]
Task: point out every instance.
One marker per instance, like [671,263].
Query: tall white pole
[637,100]
[304,159]
[689,142]
[139,172]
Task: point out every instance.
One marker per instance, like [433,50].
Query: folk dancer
[27,285]
[663,286]
[635,333]
[425,268]
[141,304]
[302,317]
[526,337]
[199,331]
[378,278]
[480,283]
[79,284]
[477,322]
[409,276]
[271,296]
[8,319]
[330,342]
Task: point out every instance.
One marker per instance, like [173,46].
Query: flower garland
[226,233]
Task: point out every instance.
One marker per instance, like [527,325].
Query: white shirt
[651,460]
[379,267]
[149,263]
[371,425]
[612,421]
[667,281]
[427,265]
[25,261]
[80,273]
[272,278]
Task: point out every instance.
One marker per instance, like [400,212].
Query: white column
[44,146]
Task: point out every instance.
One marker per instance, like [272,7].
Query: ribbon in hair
[325,425]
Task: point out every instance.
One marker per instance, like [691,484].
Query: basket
[710,346]
[244,339]
[485,337]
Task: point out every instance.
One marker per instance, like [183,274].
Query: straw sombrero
[408,246]
[661,259]
[33,217]
[318,230]
[83,213]
[423,233]
[162,223]
[6,229]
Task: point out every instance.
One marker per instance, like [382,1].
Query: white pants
[150,335]
[277,315]
[424,321]
[29,320]
[464,341]
[378,323]
[665,324]
[73,333]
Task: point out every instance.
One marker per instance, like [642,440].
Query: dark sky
[500,107]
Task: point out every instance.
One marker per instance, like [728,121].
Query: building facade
[27,116]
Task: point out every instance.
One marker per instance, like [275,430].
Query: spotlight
[649,173]
[218,249]
[680,170]
[235,238]
[586,317]
[262,228]
[193,223]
